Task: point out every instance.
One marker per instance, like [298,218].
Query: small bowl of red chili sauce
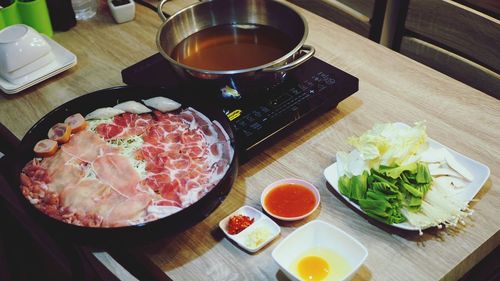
[290,199]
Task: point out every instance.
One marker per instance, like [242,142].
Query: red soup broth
[290,200]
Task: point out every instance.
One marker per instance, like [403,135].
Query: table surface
[392,88]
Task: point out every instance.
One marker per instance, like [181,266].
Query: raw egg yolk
[313,268]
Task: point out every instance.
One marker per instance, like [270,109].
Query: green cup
[2,22]
[35,14]
[10,14]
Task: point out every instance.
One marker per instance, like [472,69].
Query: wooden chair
[458,38]
[364,17]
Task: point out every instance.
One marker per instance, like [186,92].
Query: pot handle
[307,52]
[160,10]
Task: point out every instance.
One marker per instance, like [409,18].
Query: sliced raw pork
[186,154]
[117,171]
[89,182]
[124,126]
[87,146]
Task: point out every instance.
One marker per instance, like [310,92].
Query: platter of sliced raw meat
[140,157]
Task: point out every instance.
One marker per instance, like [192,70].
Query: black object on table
[61,14]
[261,116]
[6,3]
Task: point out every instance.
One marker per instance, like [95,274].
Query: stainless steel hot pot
[207,14]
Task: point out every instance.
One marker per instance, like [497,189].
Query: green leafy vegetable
[383,192]
[358,186]
[412,190]
[344,186]
[423,174]
[395,172]
[354,187]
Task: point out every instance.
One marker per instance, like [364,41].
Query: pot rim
[295,50]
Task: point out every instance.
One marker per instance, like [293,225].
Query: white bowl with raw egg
[319,251]
[290,199]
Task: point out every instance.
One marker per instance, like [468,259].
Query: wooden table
[392,88]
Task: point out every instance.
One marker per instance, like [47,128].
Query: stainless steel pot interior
[218,12]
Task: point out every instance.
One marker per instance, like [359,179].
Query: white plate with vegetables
[397,175]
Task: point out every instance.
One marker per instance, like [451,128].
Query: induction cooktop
[268,114]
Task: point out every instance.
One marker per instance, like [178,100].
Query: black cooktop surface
[261,118]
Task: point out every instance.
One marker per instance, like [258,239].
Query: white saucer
[64,60]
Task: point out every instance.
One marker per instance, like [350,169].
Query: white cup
[124,12]
[22,51]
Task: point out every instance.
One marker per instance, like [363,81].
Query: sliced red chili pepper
[238,223]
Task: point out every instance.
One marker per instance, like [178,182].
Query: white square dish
[480,172]
[63,60]
[321,237]
[253,238]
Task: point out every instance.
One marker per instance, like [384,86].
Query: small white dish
[17,74]
[275,184]
[123,12]
[253,238]
[63,60]
[480,172]
[321,239]
[22,50]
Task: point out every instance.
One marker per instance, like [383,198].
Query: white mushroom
[449,182]
[432,155]
[162,104]
[132,107]
[455,165]
[443,171]
[103,113]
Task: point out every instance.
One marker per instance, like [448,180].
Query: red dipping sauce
[290,200]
